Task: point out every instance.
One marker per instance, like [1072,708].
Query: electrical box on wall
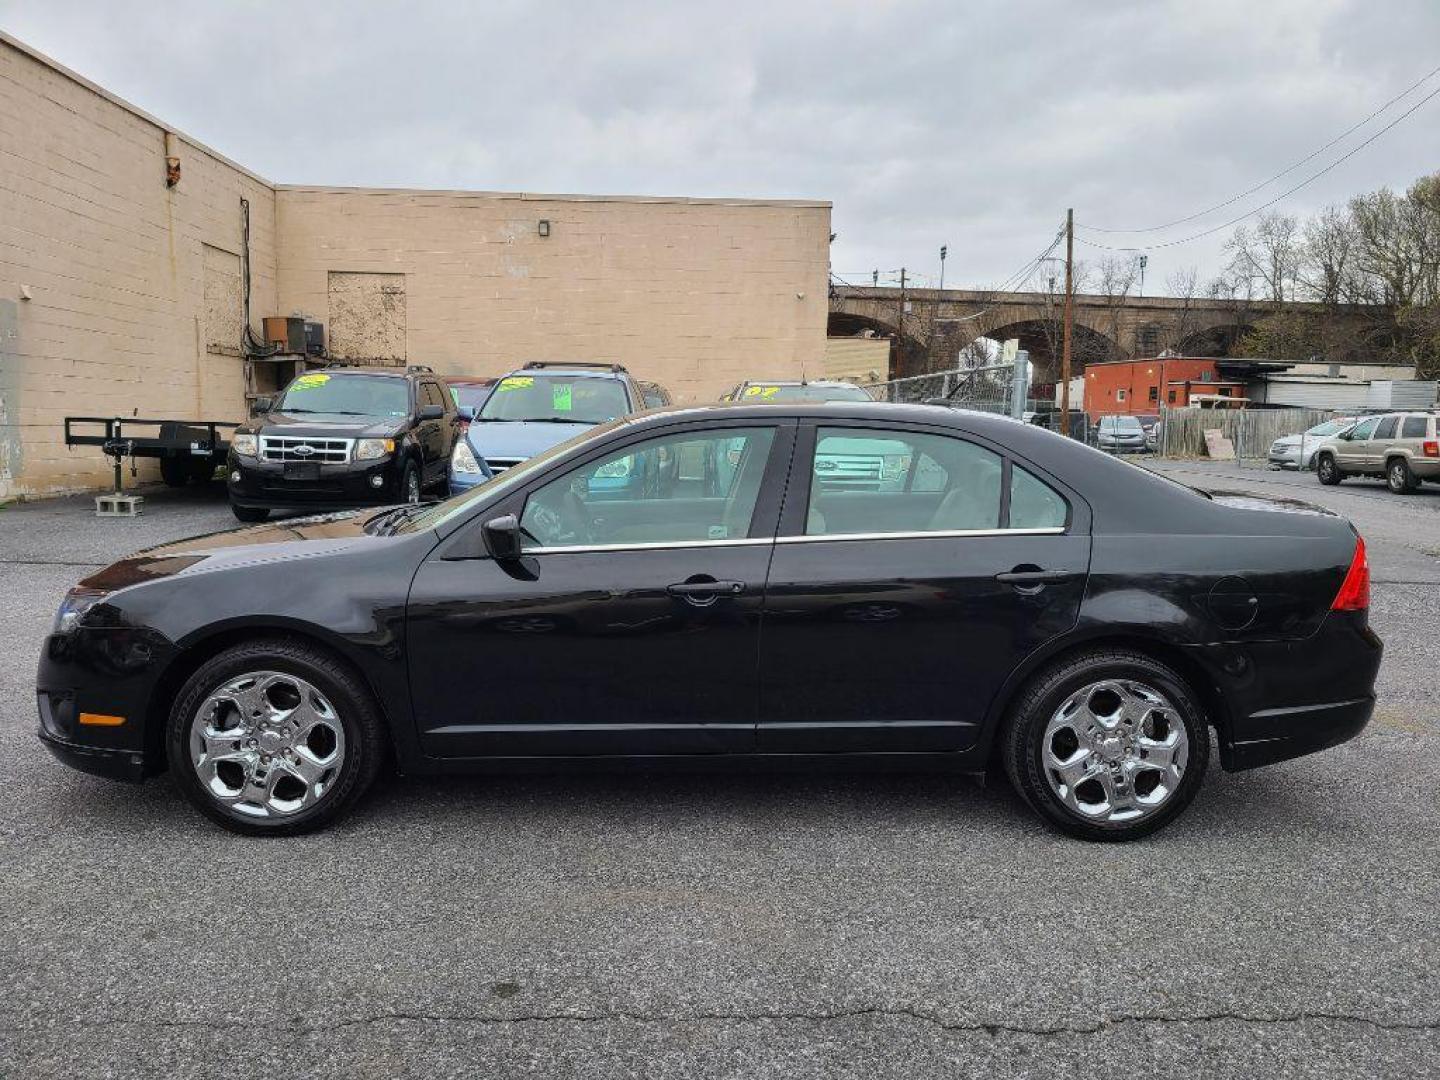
[293,334]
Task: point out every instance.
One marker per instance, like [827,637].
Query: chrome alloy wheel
[267,744]
[1115,751]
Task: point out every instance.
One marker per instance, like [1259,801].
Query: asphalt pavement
[663,924]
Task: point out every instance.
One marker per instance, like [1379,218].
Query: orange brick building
[1141,387]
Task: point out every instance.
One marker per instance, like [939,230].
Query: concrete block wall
[113,262]
[693,293]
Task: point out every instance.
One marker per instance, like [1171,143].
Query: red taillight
[1430,448]
[1354,594]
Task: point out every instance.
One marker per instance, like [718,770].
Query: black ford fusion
[999,595]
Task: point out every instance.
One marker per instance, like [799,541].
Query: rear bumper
[1289,698]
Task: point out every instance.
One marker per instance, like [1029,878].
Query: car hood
[324,425]
[296,538]
[518,439]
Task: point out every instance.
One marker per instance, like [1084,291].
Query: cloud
[926,122]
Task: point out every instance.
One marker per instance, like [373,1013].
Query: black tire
[411,488]
[1023,734]
[249,514]
[364,747]
[202,470]
[175,471]
[1399,478]
[1327,471]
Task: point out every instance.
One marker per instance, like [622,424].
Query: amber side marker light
[95,719]
[1354,594]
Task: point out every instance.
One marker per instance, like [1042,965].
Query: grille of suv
[288,448]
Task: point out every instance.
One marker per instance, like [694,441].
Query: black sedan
[1001,595]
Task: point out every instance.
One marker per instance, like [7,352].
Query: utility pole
[1069,319]
[900,326]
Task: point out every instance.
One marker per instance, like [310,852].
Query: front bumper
[124,765]
[262,485]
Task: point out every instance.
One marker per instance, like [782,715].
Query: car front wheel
[1328,472]
[274,737]
[1108,745]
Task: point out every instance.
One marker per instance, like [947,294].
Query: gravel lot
[673,925]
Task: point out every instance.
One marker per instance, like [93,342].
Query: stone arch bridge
[935,324]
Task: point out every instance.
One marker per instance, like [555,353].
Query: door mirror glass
[502,537]
[431,412]
[465,412]
[261,405]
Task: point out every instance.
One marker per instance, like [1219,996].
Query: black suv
[341,438]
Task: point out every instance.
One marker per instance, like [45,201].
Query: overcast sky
[966,123]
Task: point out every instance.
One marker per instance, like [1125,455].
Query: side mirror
[431,412]
[502,537]
[466,412]
[261,405]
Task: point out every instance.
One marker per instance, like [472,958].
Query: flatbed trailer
[187,449]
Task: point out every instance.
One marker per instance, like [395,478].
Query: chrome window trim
[921,535]
[649,546]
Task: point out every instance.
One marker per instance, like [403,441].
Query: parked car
[469,392]
[534,408]
[1298,451]
[1033,603]
[755,391]
[341,438]
[1121,433]
[1404,448]
[655,396]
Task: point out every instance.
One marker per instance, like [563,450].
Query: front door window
[692,487]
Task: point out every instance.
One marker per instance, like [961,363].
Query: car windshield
[350,395]
[469,397]
[801,392]
[438,514]
[1330,427]
[1120,423]
[559,399]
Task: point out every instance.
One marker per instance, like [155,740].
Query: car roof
[389,373]
[802,382]
[568,372]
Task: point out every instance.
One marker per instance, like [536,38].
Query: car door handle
[1034,577]
[706,589]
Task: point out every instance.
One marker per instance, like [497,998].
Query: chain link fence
[998,388]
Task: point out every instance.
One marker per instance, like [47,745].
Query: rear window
[1415,427]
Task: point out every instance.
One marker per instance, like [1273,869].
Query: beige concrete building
[121,295]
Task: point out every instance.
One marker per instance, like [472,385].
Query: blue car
[533,409]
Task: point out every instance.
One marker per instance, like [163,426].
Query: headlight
[462,460]
[245,445]
[77,602]
[616,469]
[370,449]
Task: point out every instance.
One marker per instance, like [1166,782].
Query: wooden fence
[1250,431]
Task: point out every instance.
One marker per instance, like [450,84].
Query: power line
[1284,172]
[1283,195]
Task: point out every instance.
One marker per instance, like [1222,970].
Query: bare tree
[1268,254]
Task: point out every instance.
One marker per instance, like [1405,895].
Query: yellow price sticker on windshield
[761,391]
[309,382]
[517,382]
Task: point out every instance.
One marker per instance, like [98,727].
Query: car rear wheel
[1108,745]
[274,737]
[1399,478]
[1328,472]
